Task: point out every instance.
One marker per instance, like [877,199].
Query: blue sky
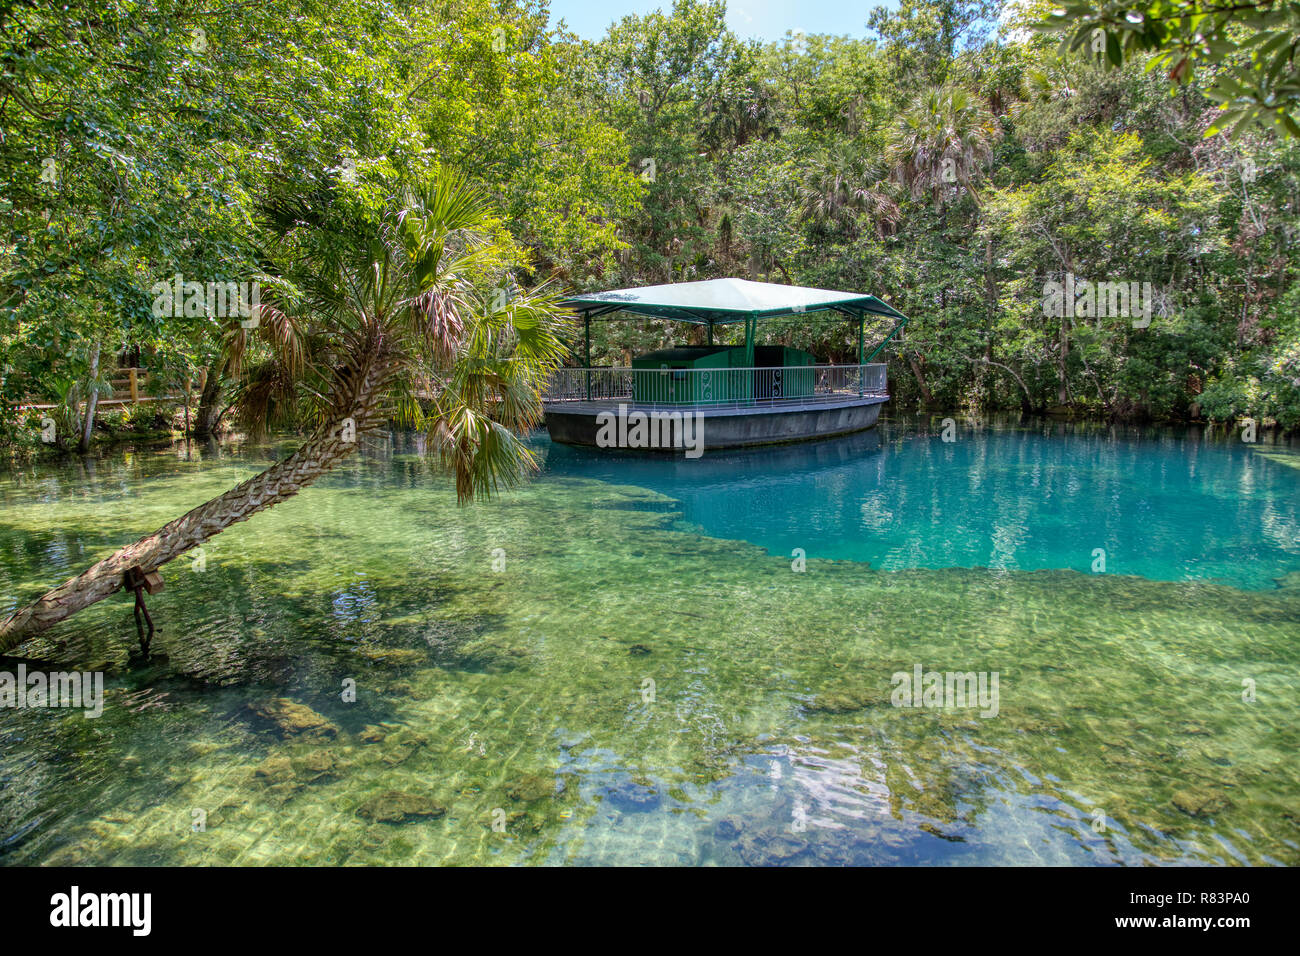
[763,19]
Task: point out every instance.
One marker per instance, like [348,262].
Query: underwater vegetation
[594,670]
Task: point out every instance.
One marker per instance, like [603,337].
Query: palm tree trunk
[325,448]
[209,412]
[282,480]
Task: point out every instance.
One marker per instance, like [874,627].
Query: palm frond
[415,310]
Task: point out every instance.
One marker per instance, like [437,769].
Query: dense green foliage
[142,141]
[1252,43]
[956,163]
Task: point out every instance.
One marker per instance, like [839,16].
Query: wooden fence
[131,387]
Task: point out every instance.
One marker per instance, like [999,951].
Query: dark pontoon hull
[576,424]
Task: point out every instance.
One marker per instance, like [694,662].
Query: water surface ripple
[618,664]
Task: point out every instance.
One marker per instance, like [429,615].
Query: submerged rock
[317,765]
[1198,802]
[396,806]
[521,822]
[845,702]
[291,718]
[373,734]
[771,846]
[397,656]
[1123,759]
[277,774]
[727,828]
[633,797]
[1290,580]
[479,655]
[933,830]
[531,788]
[290,774]
[398,748]
[934,805]
[274,770]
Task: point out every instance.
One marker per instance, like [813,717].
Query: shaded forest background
[953,163]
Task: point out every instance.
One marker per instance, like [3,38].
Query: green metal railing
[718,387]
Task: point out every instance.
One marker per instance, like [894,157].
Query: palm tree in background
[352,335]
[941,144]
[938,149]
[839,190]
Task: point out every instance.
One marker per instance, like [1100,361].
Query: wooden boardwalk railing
[131,386]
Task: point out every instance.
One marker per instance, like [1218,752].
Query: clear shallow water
[520,697]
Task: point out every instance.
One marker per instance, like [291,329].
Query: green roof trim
[719,301]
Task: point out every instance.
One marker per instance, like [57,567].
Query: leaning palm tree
[348,340]
[941,143]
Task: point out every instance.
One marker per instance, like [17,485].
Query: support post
[586,323]
[751,328]
[134,385]
[862,372]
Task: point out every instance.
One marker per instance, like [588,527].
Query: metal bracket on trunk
[140,581]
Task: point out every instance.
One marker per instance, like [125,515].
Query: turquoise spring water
[1158,505]
[619,663]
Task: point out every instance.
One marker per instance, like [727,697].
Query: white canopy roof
[717,301]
